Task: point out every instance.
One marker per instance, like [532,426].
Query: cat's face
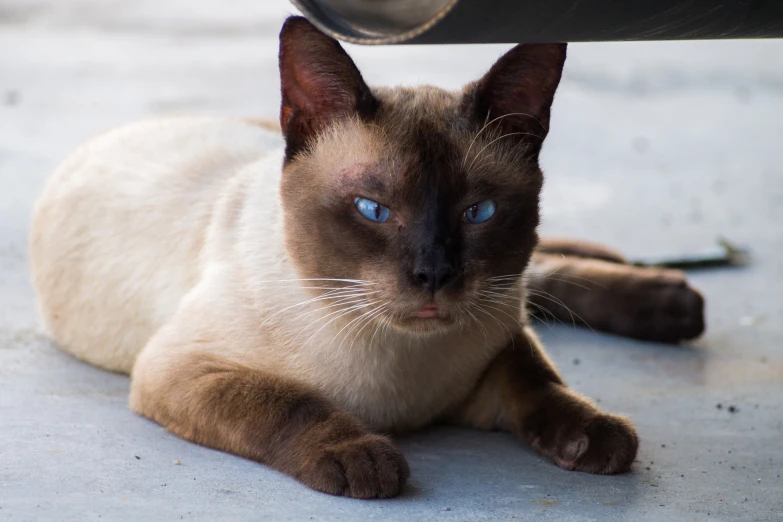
[423,202]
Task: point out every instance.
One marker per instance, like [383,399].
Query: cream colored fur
[162,241]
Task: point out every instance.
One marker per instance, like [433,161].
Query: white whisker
[490,314]
[340,313]
[544,311]
[550,297]
[371,316]
[346,301]
[487,124]
[353,321]
[476,320]
[340,296]
[470,167]
[548,275]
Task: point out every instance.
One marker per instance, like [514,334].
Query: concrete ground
[655,148]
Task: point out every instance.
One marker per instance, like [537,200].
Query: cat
[293,299]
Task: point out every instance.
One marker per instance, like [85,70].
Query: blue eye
[371,210]
[480,212]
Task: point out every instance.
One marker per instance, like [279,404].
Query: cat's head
[427,197]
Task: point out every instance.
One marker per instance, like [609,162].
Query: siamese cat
[294,300]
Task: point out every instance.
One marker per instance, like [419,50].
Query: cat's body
[209,180]
[107,298]
[287,299]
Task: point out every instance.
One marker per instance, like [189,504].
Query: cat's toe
[572,451]
[680,313]
[583,439]
[664,308]
[690,313]
[611,448]
[367,467]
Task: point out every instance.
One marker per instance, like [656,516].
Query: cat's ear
[319,83]
[518,90]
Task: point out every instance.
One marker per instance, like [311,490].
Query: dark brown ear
[319,83]
[518,90]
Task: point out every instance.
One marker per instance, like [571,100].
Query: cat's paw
[366,467]
[660,307]
[594,443]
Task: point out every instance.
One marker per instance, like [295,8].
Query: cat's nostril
[434,280]
[427,278]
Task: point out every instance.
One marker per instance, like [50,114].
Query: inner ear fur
[516,94]
[319,84]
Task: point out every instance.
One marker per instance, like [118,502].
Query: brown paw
[662,308]
[366,467]
[577,437]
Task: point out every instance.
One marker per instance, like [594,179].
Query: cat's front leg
[205,398]
[521,392]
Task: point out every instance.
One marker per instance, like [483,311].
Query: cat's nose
[433,278]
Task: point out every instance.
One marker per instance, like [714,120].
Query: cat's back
[118,232]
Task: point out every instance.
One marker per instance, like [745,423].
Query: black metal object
[513,21]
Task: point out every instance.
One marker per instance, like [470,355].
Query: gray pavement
[655,148]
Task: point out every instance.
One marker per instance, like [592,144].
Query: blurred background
[655,148]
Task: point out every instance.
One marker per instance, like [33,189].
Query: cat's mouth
[428,318]
[428,311]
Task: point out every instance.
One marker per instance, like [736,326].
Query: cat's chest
[402,384]
[389,380]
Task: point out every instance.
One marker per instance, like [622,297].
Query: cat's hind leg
[578,248]
[643,303]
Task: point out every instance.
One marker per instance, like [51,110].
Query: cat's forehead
[414,129]
[436,130]
[420,139]
[405,107]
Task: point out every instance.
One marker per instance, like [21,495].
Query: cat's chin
[425,326]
